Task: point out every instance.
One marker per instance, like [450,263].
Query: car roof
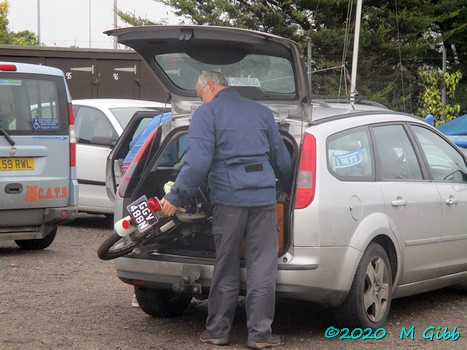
[321,111]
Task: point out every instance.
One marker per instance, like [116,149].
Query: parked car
[378,201]
[37,154]
[99,123]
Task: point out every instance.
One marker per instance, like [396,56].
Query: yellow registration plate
[9,164]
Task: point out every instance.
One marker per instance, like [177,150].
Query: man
[236,143]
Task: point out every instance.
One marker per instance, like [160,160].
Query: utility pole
[353,79]
[443,89]
[89,23]
[115,24]
[39,21]
[309,52]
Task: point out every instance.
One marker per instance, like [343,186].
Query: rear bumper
[60,215]
[324,279]
[33,223]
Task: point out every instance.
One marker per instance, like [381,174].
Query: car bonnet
[261,66]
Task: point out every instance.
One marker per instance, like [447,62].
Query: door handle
[452,200]
[13,188]
[399,202]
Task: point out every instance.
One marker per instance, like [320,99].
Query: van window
[31,104]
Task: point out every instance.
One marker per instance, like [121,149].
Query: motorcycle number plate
[142,216]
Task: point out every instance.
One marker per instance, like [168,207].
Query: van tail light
[71,123]
[306,180]
[7,67]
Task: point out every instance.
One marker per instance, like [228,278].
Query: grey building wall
[94,73]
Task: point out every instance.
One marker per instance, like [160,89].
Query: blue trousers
[257,227]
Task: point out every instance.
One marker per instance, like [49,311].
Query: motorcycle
[145,229]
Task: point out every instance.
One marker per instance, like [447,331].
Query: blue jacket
[236,143]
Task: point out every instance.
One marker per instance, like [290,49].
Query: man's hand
[168,209]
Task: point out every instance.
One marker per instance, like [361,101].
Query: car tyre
[162,302]
[369,300]
[37,244]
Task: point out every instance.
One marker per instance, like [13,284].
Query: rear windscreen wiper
[8,137]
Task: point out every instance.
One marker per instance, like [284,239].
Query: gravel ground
[66,298]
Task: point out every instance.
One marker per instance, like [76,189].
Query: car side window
[174,152]
[444,161]
[395,154]
[349,155]
[92,124]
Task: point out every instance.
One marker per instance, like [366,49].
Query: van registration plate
[10,164]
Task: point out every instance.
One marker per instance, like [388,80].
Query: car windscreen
[33,104]
[266,77]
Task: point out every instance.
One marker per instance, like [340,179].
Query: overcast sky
[79,22]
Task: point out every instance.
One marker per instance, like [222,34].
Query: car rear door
[449,173]
[96,135]
[412,202]
[140,128]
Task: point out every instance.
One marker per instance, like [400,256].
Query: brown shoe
[271,342]
[205,337]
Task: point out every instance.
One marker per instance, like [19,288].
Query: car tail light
[306,180]
[8,67]
[72,133]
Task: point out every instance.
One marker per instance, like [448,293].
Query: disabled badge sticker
[46,123]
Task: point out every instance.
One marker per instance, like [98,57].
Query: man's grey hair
[216,77]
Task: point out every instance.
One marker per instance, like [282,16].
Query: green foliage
[431,96]
[24,37]
[133,19]
[3,20]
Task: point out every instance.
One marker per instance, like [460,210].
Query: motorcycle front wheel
[116,246]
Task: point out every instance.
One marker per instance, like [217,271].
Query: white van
[38,182]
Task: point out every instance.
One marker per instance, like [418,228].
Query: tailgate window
[264,77]
[32,104]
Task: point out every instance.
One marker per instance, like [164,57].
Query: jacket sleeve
[198,157]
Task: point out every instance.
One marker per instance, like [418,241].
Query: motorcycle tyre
[105,252]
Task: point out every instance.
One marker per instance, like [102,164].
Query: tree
[397,38]
[3,20]
[431,97]
[24,37]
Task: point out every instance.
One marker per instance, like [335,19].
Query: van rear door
[36,158]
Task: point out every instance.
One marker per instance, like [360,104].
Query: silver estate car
[379,200]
